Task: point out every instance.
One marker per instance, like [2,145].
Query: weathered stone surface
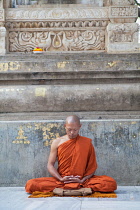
[69,62]
[2,40]
[123,37]
[80,82]
[98,97]
[25,147]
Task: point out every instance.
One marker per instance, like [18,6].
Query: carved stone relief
[69,28]
[57,24]
[123,2]
[58,13]
[124,11]
[122,32]
[123,14]
[122,37]
[70,40]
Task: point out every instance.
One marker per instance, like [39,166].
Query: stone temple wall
[37,93]
[90,67]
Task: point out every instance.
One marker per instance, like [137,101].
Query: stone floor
[15,198]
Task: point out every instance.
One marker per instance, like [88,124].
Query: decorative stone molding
[70,40]
[56,14]
[123,2]
[2,40]
[57,24]
[122,37]
[123,14]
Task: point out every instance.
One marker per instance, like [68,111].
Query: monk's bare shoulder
[57,142]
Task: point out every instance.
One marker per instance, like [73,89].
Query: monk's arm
[52,159]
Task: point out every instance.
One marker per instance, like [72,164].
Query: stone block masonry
[25,146]
[37,92]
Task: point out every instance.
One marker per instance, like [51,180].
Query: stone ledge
[61,116]
[69,62]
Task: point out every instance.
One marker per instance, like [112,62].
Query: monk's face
[72,129]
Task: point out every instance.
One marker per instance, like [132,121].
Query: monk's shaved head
[73,119]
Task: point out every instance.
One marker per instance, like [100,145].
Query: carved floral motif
[61,40]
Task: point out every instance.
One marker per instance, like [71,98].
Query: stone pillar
[2,30]
[122,31]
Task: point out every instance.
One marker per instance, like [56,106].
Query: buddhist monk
[76,164]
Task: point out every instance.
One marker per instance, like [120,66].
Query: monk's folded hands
[70,179]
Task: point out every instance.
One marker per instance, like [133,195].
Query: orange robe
[75,157]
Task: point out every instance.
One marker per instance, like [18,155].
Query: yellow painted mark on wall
[40,92]
[4,67]
[21,142]
[133,123]
[47,143]
[62,64]
[21,139]
[37,126]
[11,66]
[111,64]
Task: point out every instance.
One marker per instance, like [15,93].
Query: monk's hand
[65,179]
[70,179]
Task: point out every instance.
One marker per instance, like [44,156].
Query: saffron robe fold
[75,157]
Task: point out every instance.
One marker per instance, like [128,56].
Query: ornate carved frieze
[69,40]
[57,24]
[56,13]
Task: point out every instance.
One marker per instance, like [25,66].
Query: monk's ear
[80,125]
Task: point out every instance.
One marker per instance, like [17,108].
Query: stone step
[60,116]
[66,82]
[69,62]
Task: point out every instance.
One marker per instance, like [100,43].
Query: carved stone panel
[123,37]
[57,40]
[123,14]
[123,2]
[56,14]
